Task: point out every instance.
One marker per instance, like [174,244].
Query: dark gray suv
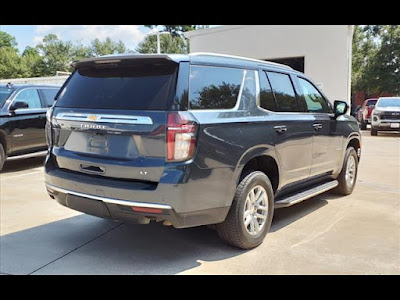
[194,140]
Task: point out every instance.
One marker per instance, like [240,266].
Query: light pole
[158,33]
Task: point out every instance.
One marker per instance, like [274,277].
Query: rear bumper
[184,204]
[121,210]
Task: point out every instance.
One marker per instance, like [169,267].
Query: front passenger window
[31,97]
[313,98]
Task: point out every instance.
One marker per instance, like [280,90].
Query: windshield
[4,94]
[371,102]
[386,102]
[148,87]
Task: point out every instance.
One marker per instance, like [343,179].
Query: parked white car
[386,115]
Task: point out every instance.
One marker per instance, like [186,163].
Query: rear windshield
[144,87]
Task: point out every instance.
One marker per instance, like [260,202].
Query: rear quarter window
[214,87]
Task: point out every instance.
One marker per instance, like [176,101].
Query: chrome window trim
[21,111]
[109,200]
[105,118]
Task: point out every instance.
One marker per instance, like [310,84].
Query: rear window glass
[214,87]
[144,87]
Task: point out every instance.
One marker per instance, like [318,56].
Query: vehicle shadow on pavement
[88,245]
[288,215]
[23,164]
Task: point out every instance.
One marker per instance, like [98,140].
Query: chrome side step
[307,194]
[29,155]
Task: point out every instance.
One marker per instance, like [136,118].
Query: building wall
[327,49]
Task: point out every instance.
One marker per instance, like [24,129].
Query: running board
[29,155]
[307,194]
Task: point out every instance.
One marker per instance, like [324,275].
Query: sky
[31,35]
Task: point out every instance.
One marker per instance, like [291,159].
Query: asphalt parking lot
[357,234]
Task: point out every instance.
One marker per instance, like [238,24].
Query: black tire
[343,188]
[233,230]
[363,125]
[374,132]
[2,157]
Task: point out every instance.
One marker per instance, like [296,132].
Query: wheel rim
[255,210]
[350,171]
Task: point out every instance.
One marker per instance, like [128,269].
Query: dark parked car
[194,140]
[364,114]
[386,115]
[23,118]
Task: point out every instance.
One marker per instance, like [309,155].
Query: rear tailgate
[110,120]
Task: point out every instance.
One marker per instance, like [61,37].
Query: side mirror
[18,105]
[340,108]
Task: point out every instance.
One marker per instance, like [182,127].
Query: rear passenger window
[267,100]
[214,87]
[286,100]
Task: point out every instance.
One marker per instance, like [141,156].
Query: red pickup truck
[364,114]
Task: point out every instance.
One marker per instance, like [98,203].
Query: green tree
[99,48]
[7,40]
[32,62]
[10,64]
[376,59]
[168,44]
[57,55]
[178,30]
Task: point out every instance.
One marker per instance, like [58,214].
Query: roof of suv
[198,57]
[18,86]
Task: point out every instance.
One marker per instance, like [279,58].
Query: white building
[323,52]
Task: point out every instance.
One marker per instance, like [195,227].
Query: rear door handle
[280,129]
[317,126]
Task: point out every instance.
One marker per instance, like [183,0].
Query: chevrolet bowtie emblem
[92,117]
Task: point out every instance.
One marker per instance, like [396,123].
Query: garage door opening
[297,63]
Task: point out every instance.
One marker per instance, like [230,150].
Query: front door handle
[280,129]
[317,126]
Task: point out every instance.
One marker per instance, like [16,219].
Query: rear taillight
[181,136]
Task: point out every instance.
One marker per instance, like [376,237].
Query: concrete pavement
[357,234]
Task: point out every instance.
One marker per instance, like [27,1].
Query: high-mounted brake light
[181,136]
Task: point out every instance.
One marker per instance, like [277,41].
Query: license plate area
[394,125]
[98,143]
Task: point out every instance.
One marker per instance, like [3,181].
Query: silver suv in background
[386,115]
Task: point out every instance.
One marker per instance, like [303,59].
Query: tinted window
[214,87]
[284,92]
[371,102]
[31,97]
[267,100]
[49,95]
[145,87]
[313,98]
